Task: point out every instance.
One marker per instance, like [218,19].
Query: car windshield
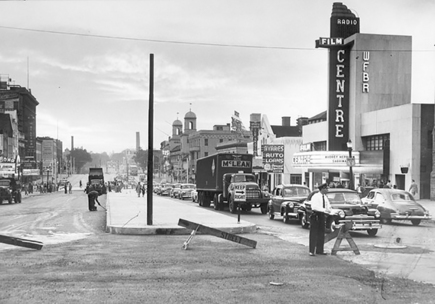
[343,197]
[401,197]
[295,192]
[244,178]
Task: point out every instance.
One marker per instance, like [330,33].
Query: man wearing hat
[320,205]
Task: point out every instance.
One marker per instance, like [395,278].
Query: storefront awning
[356,169]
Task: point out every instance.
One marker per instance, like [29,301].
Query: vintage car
[346,206]
[166,189]
[395,204]
[10,190]
[285,201]
[175,190]
[186,191]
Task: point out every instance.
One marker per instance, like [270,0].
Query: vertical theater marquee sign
[344,23]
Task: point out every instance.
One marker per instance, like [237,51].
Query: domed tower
[177,127]
[189,122]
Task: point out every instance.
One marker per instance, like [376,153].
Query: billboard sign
[273,158]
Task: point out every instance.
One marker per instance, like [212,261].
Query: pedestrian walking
[320,205]
[413,188]
[66,188]
[138,189]
[80,184]
[70,188]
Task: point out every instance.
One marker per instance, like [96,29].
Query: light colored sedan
[395,204]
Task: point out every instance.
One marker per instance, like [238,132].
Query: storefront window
[296,179]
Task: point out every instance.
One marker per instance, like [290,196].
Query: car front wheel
[372,232]
[416,222]
[304,222]
[271,214]
[385,221]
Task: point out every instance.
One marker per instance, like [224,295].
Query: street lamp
[349,148]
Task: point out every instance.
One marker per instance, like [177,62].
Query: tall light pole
[351,163]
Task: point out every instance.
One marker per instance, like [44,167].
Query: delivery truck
[226,180]
[96,180]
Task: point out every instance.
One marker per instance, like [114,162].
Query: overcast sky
[87,62]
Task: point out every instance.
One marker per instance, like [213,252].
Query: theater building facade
[370,108]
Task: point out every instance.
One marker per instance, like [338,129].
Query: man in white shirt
[320,205]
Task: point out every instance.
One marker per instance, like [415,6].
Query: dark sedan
[346,206]
[395,204]
[285,201]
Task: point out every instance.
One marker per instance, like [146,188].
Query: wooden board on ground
[216,232]
[20,242]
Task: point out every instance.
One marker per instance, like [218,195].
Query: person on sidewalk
[70,188]
[138,189]
[320,205]
[66,187]
[92,198]
[413,189]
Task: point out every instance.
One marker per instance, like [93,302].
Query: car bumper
[410,217]
[363,225]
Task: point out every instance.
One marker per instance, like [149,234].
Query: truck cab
[242,188]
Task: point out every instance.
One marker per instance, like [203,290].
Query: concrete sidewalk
[127,214]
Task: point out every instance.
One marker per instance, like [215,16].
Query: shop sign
[31,172]
[324,159]
[305,147]
[273,158]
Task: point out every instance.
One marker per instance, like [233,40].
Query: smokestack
[286,121]
[72,143]
[137,141]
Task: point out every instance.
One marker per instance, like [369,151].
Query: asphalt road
[399,249]
[80,263]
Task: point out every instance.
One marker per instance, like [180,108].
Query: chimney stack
[286,121]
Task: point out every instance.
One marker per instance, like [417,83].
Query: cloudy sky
[87,62]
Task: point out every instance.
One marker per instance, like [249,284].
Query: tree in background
[81,157]
[141,159]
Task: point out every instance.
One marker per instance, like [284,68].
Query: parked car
[165,189]
[346,206]
[365,191]
[286,200]
[175,190]
[395,204]
[186,191]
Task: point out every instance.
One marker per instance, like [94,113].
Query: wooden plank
[218,233]
[20,242]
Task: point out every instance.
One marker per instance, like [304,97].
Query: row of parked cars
[177,190]
[379,206]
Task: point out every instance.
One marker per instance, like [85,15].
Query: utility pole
[150,145]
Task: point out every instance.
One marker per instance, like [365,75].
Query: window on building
[221,140]
[296,179]
[205,154]
[205,141]
[319,146]
[429,139]
[376,142]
